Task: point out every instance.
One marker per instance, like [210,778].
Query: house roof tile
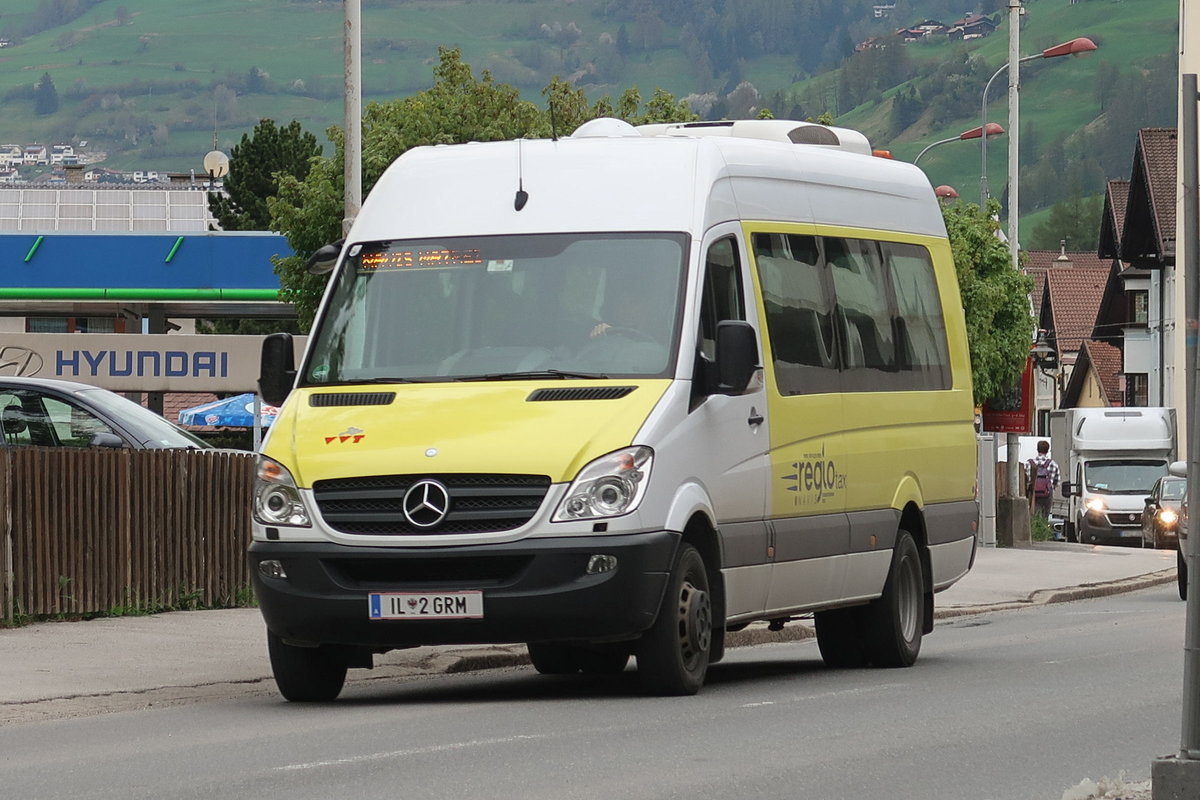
[1148,233]
[1106,363]
[1075,296]
[1112,220]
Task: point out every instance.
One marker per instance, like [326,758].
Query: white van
[616,394]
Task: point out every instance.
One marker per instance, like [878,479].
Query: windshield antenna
[522,196]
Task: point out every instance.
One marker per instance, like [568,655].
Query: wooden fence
[94,530]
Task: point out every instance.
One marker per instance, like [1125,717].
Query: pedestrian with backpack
[1043,478]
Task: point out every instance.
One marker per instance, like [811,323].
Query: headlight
[608,487]
[1167,516]
[1097,505]
[276,499]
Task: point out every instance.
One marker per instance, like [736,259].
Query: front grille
[415,571]
[374,505]
[1124,520]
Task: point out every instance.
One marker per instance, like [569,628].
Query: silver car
[44,412]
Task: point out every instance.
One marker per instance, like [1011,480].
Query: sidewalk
[51,669]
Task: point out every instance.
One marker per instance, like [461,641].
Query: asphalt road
[1013,705]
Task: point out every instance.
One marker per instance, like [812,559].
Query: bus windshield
[502,307]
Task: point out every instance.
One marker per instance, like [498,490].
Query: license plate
[425,605]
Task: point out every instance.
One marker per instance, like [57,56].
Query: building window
[1137,389]
[1138,312]
[74,325]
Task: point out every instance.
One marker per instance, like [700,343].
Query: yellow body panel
[465,427]
[853,451]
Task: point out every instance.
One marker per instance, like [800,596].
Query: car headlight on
[1097,505]
[277,501]
[610,486]
[1167,516]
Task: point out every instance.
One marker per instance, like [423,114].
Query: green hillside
[1060,102]
[150,82]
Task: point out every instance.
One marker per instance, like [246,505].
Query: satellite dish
[216,164]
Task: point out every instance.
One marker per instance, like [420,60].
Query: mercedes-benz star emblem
[426,503]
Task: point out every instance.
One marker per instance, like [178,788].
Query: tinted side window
[864,311]
[799,312]
[921,327]
[722,298]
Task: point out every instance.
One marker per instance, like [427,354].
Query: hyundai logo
[19,361]
[426,503]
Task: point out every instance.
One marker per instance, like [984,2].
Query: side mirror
[1149,501]
[105,439]
[277,368]
[1068,489]
[737,356]
[324,259]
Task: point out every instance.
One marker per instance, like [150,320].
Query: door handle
[755,418]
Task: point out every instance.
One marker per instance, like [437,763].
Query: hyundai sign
[138,362]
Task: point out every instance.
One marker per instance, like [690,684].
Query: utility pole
[1178,778]
[352,175]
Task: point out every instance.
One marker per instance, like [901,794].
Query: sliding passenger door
[806,502]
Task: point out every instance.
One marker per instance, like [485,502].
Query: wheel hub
[695,622]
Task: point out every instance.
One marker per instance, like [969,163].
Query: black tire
[1181,576]
[672,657]
[840,634]
[896,620]
[1069,531]
[305,674]
[552,658]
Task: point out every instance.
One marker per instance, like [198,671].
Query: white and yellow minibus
[616,394]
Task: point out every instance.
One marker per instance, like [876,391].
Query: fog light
[599,564]
[270,568]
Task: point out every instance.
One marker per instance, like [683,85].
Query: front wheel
[1181,576]
[305,674]
[896,620]
[672,657]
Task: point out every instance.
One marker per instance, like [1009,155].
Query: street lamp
[945,193]
[216,164]
[1080,45]
[993,129]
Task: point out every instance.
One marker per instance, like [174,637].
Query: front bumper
[533,590]
[1098,528]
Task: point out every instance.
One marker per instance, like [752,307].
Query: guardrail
[96,530]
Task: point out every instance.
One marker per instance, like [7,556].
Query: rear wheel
[1069,531]
[672,657]
[896,620]
[840,634]
[305,674]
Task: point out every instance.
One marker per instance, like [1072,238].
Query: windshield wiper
[533,374]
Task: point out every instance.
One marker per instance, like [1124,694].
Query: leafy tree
[1077,220]
[255,166]
[995,298]
[45,96]
[457,108]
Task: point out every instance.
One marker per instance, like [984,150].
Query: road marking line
[416,751]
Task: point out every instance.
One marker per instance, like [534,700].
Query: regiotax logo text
[814,479]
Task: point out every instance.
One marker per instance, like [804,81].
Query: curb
[758,633]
